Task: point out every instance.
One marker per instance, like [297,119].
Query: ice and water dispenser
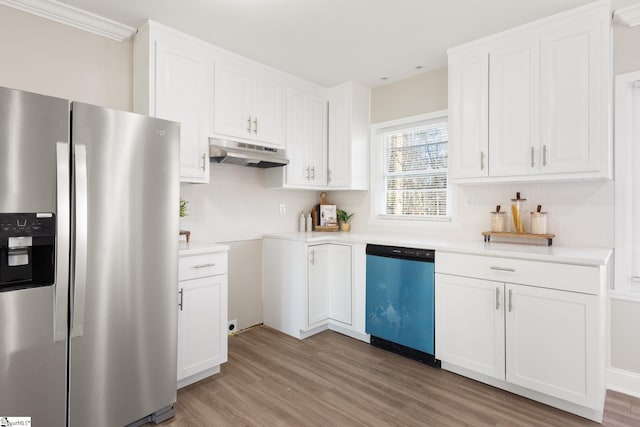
[27,250]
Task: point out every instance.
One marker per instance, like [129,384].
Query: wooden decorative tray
[549,237]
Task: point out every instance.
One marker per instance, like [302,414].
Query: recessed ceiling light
[418,67]
[384,78]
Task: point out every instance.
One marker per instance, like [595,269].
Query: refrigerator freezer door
[122,367]
[32,360]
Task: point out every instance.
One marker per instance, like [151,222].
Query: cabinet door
[339,264]
[551,341]
[268,111]
[202,325]
[233,93]
[470,324]
[306,139]
[513,108]
[469,115]
[339,161]
[575,94]
[318,283]
[184,94]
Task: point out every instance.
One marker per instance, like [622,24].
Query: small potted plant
[344,219]
[183,213]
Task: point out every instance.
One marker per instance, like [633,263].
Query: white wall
[42,56]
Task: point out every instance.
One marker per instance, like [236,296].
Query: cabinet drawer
[574,278]
[195,266]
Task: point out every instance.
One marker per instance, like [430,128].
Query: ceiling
[332,41]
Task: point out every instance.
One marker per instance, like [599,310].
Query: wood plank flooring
[329,379]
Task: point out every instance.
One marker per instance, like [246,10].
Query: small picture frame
[328,216]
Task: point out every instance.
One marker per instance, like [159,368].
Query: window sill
[410,219]
[624,295]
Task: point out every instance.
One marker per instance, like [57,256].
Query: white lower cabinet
[542,341]
[308,288]
[202,316]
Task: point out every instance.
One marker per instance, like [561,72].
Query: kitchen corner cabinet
[348,141]
[308,288]
[533,103]
[533,328]
[249,103]
[202,316]
[173,80]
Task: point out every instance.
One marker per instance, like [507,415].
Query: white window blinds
[635,186]
[415,170]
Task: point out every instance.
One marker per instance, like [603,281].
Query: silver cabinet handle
[204,159]
[80,240]
[209,264]
[510,300]
[328,175]
[308,173]
[255,125]
[533,153]
[181,292]
[544,155]
[249,124]
[497,298]
[312,260]
[482,160]
[61,289]
[512,270]
[313,173]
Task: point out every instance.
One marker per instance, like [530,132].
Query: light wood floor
[329,379]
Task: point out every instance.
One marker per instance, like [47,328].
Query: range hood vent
[239,153]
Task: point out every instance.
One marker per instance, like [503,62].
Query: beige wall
[42,56]
[245,282]
[626,49]
[420,94]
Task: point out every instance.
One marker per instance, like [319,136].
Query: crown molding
[74,17]
[629,15]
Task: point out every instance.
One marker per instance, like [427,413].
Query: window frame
[378,201]
[624,139]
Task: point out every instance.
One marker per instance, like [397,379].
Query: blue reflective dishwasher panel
[400,301]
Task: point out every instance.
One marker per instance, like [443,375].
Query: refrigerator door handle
[80,244]
[61,290]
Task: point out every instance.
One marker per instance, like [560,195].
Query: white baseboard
[626,382]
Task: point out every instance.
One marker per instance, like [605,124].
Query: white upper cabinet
[349,129]
[539,95]
[469,115]
[173,80]
[575,96]
[513,108]
[306,136]
[249,103]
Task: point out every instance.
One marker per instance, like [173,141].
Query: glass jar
[518,214]
[538,223]
[498,222]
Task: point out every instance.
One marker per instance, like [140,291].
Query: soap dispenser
[309,222]
[301,222]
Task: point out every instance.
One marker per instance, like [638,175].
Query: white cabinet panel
[469,115]
[551,342]
[249,104]
[319,283]
[513,109]
[173,80]
[202,317]
[575,95]
[340,291]
[470,324]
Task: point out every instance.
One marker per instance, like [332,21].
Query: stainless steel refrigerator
[88,263]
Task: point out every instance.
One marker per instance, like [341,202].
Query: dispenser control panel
[26,224]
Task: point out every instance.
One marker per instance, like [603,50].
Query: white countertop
[559,254]
[198,248]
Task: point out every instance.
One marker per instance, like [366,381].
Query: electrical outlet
[232,326]
[283,209]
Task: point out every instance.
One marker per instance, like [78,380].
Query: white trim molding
[626,382]
[629,15]
[74,17]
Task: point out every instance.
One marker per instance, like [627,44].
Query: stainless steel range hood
[239,153]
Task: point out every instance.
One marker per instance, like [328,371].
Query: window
[627,184]
[411,174]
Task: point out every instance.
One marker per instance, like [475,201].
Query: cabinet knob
[249,124]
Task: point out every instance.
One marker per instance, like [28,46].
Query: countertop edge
[200,248]
[557,254]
